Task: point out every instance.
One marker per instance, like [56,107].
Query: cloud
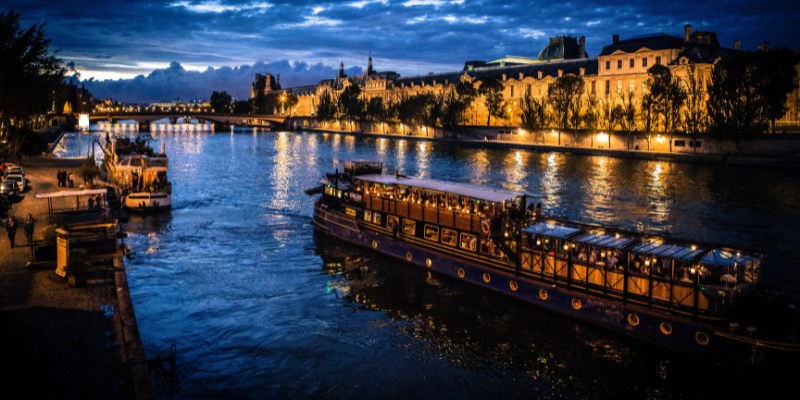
[175,81]
[311,20]
[217,7]
[532,33]
[362,3]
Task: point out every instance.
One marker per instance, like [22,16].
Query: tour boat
[695,297]
[141,175]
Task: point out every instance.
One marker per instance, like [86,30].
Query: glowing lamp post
[83,122]
[283,102]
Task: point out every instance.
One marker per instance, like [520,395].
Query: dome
[563,48]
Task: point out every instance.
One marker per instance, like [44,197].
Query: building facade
[618,75]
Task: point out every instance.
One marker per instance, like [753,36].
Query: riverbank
[57,341]
[638,152]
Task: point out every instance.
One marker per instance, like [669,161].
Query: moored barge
[693,297]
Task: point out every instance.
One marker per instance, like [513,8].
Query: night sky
[196,46]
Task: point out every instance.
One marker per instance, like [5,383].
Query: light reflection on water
[260,306]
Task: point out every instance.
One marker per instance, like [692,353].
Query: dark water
[261,307]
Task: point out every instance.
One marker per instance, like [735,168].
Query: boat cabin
[661,273]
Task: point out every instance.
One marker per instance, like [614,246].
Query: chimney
[764,46]
[614,39]
[539,74]
[582,71]
[687,32]
[521,75]
[737,45]
[582,44]
[560,73]
[504,77]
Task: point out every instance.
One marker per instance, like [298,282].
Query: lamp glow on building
[83,122]
[602,136]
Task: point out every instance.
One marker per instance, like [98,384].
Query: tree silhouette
[563,94]
[492,91]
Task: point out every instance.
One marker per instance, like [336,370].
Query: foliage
[326,106]
[242,107]
[627,114]
[124,145]
[221,102]
[273,102]
[695,117]
[749,90]
[533,113]
[455,101]
[88,171]
[564,94]
[80,98]
[288,102]
[492,91]
[376,111]
[29,74]
[591,116]
[24,142]
[351,107]
[662,103]
[54,222]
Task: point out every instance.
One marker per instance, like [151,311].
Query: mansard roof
[302,89]
[658,41]
[547,68]
[562,48]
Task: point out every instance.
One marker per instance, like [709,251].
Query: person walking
[11,229]
[28,225]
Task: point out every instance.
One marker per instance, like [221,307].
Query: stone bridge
[145,119]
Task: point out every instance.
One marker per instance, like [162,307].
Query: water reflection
[660,203]
[515,170]
[551,181]
[423,158]
[281,171]
[479,166]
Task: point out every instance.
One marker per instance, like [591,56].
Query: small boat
[700,298]
[140,174]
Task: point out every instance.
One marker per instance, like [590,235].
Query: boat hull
[678,332]
[147,201]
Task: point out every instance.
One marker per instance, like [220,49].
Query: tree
[350,104]
[375,110]
[492,91]
[664,99]
[695,115]
[563,94]
[242,107]
[455,101]
[29,74]
[591,116]
[326,107]
[288,102]
[533,113]
[221,102]
[779,79]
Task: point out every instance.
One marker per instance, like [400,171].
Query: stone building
[619,73]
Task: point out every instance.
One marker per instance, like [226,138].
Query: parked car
[16,169]
[19,180]
[9,189]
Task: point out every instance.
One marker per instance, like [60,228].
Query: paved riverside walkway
[55,341]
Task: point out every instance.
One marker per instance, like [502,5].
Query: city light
[83,122]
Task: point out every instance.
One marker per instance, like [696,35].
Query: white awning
[71,193]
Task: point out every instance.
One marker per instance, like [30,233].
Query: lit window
[469,242]
[512,91]
[432,233]
[608,87]
[619,86]
[632,62]
[449,237]
[593,84]
[631,86]
[409,227]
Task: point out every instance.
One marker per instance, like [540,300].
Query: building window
[608,87]
[658,60]
[633,61]
[680,143]
[644,62]
[608,64]
[593,84]
[631,86]
[619,64]
[619,87]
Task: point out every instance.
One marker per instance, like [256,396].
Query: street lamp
[283,101]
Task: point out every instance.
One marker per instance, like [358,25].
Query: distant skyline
[121,40]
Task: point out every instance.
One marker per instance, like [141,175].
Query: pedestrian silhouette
[11,229]
[28,225]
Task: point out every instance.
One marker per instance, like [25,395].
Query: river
[260,306]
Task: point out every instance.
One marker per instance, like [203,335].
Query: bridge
[225,120]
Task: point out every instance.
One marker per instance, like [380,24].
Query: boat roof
[551,229]
[71,193]
[604,239]
[465,189]
[656,247]
[727,258]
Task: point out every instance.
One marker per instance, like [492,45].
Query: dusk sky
[305,40]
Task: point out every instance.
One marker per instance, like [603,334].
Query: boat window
[432,233]
[376,218]
[469,242]
[368,215]
[409,227]
[449,237]
[485,246]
